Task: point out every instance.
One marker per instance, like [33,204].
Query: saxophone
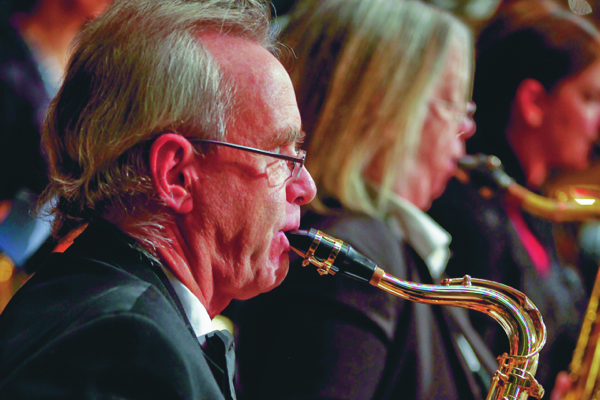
[521,320]
[487,172]
[584,369]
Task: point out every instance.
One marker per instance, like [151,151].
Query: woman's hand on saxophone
[562,385]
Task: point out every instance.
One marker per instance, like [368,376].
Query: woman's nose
[467,127]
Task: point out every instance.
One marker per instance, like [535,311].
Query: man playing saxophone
[174,139]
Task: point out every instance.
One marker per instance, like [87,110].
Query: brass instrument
[585,363]
[569,205]
[519,317]
[574,203]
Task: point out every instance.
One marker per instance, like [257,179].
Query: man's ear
[172,170]
[529,102]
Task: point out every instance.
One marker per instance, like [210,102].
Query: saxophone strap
[457,326]
[461,323]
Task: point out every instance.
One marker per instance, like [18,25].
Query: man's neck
[190,261]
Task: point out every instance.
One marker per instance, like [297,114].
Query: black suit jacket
[100,321]
[330,337]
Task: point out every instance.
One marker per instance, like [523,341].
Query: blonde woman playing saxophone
[383,88]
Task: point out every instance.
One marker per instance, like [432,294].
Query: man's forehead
[267,112]
[237,54]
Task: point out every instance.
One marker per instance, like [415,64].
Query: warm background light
[6,268]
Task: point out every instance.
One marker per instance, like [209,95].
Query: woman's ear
[529,102]
[172,171]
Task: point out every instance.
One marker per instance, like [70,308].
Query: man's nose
[302,189]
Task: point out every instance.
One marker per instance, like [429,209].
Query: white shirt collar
[428,239]
[194,309]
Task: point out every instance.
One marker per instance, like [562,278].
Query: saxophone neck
[571,203]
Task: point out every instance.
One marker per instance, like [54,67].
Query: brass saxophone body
[585,365]
[490,176]
[519,317]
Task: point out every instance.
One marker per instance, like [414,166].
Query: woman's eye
[591,97]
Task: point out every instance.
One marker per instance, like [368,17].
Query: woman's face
[447,126]
[571,121]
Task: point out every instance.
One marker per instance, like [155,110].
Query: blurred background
[474,12]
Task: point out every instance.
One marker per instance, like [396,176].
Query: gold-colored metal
[586,357]
[569,203]
[323,266]
[521,320]
[310,254]
[565,210]
[377,275]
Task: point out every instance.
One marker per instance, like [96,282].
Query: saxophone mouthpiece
[483,171]
[330,255]
[300,241]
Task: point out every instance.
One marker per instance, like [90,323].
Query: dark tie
[220,352]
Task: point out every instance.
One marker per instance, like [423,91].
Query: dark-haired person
[174,139]
[537,89]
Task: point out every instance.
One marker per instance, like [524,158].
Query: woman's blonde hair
[137,71]
[364,72]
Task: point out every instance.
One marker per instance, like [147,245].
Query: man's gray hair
[137,71]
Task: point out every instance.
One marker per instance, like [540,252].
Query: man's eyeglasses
[461,111]
[295,164]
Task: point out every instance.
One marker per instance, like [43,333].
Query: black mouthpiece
[346,262]
[300,240]
[485,171]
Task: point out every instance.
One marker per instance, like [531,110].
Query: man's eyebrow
[290,135]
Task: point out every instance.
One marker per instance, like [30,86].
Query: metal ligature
[521,320]
[568,204]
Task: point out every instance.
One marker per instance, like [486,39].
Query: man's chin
[269,280]
[281,272]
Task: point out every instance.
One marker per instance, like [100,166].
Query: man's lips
[291,226]
[284,240]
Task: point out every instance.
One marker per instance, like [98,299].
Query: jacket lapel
[100,234]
